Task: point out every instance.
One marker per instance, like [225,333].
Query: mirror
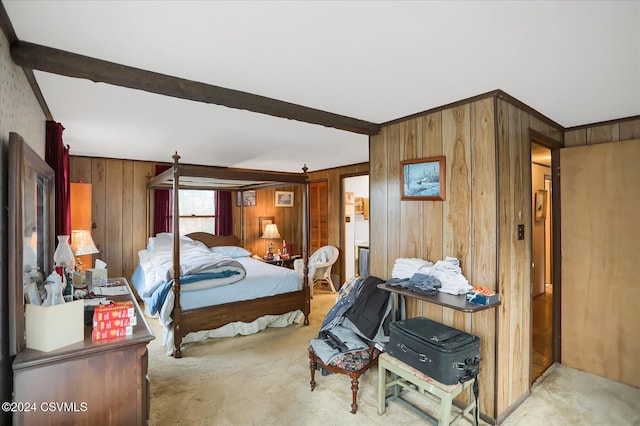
[31,229]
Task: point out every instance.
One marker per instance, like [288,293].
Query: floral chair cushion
[352,361]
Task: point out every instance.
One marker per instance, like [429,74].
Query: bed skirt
[233,329]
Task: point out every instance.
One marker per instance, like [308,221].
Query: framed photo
[540,213]
[32,294]
[263,222]
[284,199]
[423,179]
[348,203]
[246,198]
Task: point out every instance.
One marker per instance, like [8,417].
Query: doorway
[542,285]
[355,225]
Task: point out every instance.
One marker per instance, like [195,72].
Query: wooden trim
[554,146]
[494,93]
[496,334]
[556,228]
[515,102]
[165,179]
[356,165]
[69,64]
[544,140]
[602,123]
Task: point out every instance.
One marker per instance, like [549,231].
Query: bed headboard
[211,240]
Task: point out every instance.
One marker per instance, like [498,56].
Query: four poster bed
[230,269]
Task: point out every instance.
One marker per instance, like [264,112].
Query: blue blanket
[156,300]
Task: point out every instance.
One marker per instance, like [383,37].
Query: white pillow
[231,251]
[150,280]
[151,246]
[320,258]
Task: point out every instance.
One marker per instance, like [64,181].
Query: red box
[111,333]
[114,311]
[115,323]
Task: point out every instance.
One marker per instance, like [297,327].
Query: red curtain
[163,207]
[224,214]
[57,157]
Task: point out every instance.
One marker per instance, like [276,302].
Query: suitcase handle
[421,357]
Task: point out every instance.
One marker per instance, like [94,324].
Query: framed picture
[541,205]
[263,222]
[284,199]
[348,203]
[423,179]
[32,294]
[246,198]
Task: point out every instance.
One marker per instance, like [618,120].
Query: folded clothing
[335,342]
[406,267]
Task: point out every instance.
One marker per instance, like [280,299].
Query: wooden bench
[405,378]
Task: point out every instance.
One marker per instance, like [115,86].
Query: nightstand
[285,263]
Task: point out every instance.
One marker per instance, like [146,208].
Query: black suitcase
[443,353]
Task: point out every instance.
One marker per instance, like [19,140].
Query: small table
[285,263]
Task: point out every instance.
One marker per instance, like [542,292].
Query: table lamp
[82,244]
[271,232]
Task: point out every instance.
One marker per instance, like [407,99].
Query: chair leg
[354,393]
[312,367]
[333,288]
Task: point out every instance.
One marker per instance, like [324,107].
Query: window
[197,211]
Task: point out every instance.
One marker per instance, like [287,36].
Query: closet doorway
[355,225]
[543,317]
[318,215]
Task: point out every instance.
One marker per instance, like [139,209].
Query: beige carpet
[263,379]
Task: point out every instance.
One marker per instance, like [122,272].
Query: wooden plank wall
[288,220]
[600,233]
[620,130]
[514,256]
[463,226]
[118,208]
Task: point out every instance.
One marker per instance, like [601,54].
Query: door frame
[556,259]
[343,266]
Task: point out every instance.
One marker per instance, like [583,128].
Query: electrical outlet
[521,232]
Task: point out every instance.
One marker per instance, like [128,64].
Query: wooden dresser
[86,383]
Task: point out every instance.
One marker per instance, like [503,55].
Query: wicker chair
[320,263]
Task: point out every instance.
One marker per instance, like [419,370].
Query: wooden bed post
[305,245]
[177,312]
[241,217]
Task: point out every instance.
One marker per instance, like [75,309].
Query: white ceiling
[577,62]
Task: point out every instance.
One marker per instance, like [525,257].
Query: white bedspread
[261,280]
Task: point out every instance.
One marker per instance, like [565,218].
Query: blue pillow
[231,251]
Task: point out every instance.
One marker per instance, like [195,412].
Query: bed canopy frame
[183,176]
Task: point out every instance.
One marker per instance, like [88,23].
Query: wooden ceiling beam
[43,58]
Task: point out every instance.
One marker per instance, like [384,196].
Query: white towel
[406,267]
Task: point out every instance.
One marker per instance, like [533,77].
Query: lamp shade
[82,243]
[271,231]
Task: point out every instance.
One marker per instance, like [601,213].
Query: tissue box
[51,327]
[96,277]
[482,299]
